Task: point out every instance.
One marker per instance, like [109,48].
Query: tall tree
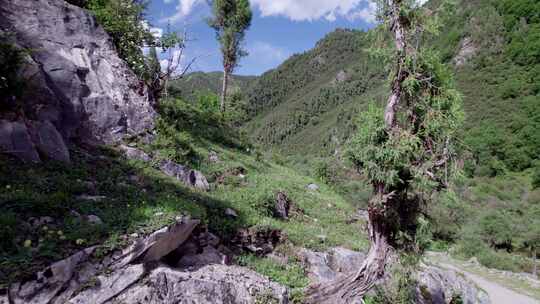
[407,150]
[231,19]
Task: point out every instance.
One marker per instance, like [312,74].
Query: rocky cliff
[78,89]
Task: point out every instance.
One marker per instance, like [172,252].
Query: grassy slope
[140,199]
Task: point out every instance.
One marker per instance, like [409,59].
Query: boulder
[108,286]
[49,142]
[213,157]
[135,154]
[191,178]
[15,140]
[213,284]
[160,243]
[231,213]
[282,206]
[313,187]
[345,260]
[49,282]
[81,89]
[438,286]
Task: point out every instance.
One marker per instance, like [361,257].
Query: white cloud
[308,10]
[266,53]
[183,9]
[367,13]
[156,32]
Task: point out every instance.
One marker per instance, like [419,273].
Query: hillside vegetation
[309,106]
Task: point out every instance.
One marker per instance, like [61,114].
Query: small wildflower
[62,237]
[59,232]
[79,241]
[27,243]
[8,187]
[45,228]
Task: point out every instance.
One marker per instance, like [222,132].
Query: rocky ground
[185,263]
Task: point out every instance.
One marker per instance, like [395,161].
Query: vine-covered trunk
[350,289]
[224,90]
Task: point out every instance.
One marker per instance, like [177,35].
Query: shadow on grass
[44,208]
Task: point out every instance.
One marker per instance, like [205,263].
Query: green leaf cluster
[124,22]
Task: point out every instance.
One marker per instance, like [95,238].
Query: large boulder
[213,284]
[80,88]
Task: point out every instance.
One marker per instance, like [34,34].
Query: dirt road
[497,293]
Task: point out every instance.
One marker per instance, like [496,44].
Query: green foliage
[123,21]
[495,228]
[385,156]
[536,177]
[201,122]
[11,59]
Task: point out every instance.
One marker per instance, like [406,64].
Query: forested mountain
[193,83]
[309,103]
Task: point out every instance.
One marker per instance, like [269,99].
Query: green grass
[140,199]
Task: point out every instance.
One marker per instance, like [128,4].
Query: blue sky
[279,29]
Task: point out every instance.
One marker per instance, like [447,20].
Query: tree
[231,19]
[173,45]
[407,150]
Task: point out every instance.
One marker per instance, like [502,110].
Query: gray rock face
[444,286]
[50,281]
[81,89]
[214,284]
[140,275]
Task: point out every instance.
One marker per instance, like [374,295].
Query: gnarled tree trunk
[351,288]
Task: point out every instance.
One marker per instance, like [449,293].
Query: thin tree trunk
[398,30]
[224,90]
[350,288]
[535,266]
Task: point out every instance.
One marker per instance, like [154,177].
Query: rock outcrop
[435,285]
[157,269]
[78,88]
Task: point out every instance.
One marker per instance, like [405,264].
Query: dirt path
[497,293]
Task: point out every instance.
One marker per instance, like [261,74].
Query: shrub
[11,85]
[124,22]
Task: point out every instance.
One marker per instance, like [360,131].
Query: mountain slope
[302,109]
[197,82]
